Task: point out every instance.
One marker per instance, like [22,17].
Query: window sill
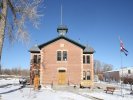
[61,61]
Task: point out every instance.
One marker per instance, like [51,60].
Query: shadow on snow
[12,90]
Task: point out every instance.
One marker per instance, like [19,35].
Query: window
[36,59]
[83,58]
[58,55]
[86,59]
[39,58]
[62,71]
[84,75]
[88,75]
[64,55]
[129,71]
[61,55]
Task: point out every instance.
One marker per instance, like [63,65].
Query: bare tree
[100,67]
[14,19]
[107,67]
[16,71]
[97,67]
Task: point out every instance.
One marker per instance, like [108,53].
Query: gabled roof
[62,37]
[34,49]
[88,49]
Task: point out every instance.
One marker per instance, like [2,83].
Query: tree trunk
[2,26]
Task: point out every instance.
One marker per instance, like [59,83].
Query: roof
[88,49]
[111,71]
[124,68]
[62,27]
[62,37]
[35,49]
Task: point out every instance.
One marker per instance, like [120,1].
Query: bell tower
[62,29]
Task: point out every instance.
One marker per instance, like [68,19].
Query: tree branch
[12,8]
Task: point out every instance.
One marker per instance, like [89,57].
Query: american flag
[122,48]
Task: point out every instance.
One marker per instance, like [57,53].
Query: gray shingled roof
[88,49]
[34,49]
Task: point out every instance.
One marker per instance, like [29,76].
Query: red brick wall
[73,64]
[89,67]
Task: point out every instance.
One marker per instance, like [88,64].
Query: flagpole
[122,49]
[121,75]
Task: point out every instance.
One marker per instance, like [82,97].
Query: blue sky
[96,22]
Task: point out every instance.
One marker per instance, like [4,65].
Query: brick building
[62,61]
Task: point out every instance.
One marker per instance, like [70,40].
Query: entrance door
[61,77]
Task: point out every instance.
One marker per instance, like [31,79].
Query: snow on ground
[9,81]
[44,93]
[107,96]
[125,86]
[15,92]
[9,89]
